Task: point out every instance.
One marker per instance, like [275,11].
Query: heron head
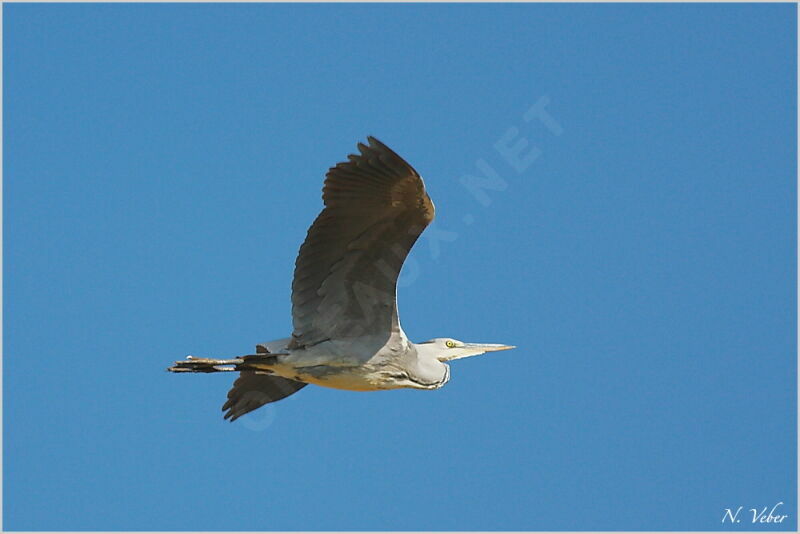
[452,349]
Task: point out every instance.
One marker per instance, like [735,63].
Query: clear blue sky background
[162,164]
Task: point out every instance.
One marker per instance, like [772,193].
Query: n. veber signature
[758,516]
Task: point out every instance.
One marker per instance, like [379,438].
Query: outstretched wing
[251,391]
[345,277]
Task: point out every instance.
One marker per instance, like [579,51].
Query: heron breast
[348,378]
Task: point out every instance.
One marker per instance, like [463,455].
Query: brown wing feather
[345,276]
[251,391]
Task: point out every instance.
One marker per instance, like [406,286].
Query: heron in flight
[347,332]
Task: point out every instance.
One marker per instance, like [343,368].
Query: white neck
[428,370]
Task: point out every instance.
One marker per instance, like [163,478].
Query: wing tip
[377,145]
[380,148]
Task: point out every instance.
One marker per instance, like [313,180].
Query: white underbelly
[355,378]
[350,382]
[317,366]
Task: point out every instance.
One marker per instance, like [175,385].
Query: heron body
[347,332]
[355,366]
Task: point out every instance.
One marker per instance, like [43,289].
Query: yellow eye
[450,344]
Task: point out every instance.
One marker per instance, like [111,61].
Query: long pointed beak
[471,349]
[488,347]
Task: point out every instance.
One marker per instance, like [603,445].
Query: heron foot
[204,365]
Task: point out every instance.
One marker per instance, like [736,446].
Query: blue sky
[163,162]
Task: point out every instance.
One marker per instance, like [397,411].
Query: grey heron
[346,328]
